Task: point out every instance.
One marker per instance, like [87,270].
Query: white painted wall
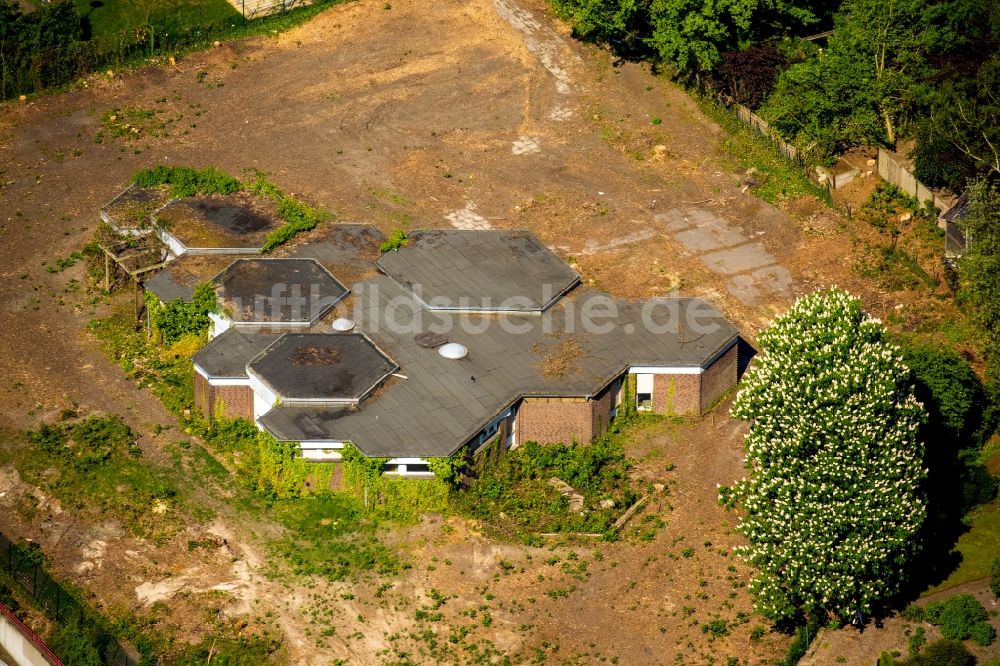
[20,648]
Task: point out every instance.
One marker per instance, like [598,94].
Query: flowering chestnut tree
[832,505]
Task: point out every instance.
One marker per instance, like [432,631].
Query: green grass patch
[777,177]
[93,467]
[330,535]
[895,270]
[116,17]
[978,547]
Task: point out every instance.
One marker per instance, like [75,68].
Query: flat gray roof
[322,366]
[443,403]
[227,355]
[277,290]
[493,271]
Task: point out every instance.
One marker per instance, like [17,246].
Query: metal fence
[58,604]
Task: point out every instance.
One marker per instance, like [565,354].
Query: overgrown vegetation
[179,319]
[961,617]
[93,465]
[396,240]
[326,534]
[772,177]
[512,494]
[187,182]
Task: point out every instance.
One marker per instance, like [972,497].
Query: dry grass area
[473,113]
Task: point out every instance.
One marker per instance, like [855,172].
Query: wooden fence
[949,208]
[895,173]
[754,121]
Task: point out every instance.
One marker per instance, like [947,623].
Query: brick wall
[204,394]
[237,401]
[602,406]
[677,394]
[552,420]
[718,378]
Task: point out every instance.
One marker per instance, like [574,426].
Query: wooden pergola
[133,259]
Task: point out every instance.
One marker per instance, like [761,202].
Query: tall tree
[692,34]
[980,265]
[961,135]
[833,502]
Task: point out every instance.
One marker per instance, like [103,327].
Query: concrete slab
[710,237]
[738,259]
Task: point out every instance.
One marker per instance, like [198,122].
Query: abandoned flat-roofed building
[454,340]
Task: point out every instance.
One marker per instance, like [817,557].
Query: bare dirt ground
[470,114]
[848,646]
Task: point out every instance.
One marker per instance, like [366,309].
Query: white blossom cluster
[833,503]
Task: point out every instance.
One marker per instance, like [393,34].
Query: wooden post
[107,271]
[135,297]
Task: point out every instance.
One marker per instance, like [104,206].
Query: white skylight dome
[342,324]
[453,350]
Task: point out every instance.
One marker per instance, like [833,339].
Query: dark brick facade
[229,401]
[551,420]
[687,395]
[718,378]
[677,394]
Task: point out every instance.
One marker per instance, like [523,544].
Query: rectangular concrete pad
[738,259]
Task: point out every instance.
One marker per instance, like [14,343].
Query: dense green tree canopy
[833,503]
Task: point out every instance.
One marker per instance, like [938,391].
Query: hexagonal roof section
[231,224]
[479,271]
[322,367]
[277,291]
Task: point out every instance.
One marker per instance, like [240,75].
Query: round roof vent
[453,350]
[342,324]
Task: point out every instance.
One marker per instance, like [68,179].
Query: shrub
[940,653]
[995,577]
[749,75]
[187,182]
[88,443]
[982,633]
[75,645]
[177,319]
[956,616]
[396,240]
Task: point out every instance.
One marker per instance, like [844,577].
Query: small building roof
[218,223]
[485,271]
[227,355]
[290,291]
[330,367]
[131,211]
